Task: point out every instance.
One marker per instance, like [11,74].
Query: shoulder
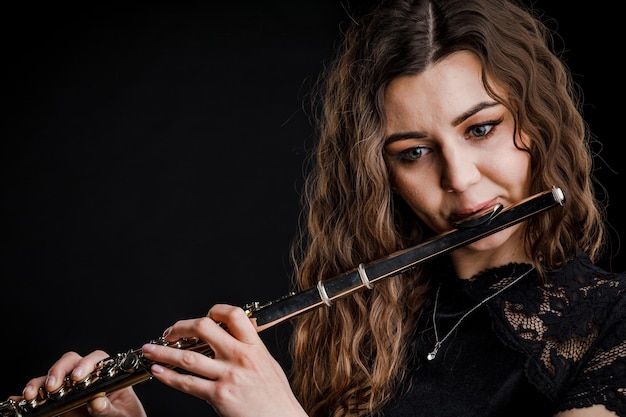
[580,293]
[576,304]
[572,330]
[583,288]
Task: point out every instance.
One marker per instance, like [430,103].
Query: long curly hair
[348,359]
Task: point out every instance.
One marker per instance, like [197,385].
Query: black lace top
[532,350]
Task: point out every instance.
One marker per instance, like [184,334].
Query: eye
[480,130]
[413,154]
[483,130]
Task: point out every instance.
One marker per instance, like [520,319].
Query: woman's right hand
[120,403]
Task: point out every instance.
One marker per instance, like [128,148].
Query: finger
[121,403]
[99,407]
[191,361]
[32,387]
[224,338]
[55,377]
[16,398]
[237,322]
[87,364]
[71,363]
[206,329]
[186,383]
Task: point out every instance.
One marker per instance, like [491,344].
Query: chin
[507,238]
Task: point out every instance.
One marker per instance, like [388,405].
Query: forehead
[458,74]
[442,91]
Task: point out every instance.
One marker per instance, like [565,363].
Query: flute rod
[400,261]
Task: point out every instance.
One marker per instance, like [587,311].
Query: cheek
[423,176]
[420,197]
[417,189]
[426,208]
[405,185]
[517,167]
[509,167]
[522,156]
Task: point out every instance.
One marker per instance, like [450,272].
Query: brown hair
[349,358]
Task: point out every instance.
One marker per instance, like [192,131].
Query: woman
[433,111]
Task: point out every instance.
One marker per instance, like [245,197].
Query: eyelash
[491,125]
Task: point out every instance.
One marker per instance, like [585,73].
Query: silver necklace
[438,342]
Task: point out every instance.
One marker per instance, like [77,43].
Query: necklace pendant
[433,354]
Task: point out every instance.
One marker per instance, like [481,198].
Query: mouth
[476,218]
[471,213]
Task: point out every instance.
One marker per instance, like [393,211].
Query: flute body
[130,368]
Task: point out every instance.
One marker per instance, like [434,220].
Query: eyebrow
[457,121]
[478,107]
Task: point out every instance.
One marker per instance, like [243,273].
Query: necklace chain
[438,342]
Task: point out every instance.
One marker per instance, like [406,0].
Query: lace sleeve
[573,331]
[602,376]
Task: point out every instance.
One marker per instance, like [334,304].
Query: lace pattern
[572,329]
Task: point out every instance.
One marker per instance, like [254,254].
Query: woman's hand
[121,403]
[241,379]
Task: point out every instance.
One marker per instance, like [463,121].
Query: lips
[477,211]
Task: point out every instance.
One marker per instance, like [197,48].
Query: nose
[459,170]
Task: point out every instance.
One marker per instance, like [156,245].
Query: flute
[130,368]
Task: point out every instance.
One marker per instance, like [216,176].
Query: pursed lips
[475,211]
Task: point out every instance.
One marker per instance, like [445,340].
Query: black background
[152,159]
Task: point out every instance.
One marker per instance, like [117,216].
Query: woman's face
[450,150]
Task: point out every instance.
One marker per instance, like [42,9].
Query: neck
[468,262]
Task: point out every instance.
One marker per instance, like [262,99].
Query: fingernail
[26,388]
[51,381]
[167,331]
[149,347]
[157,369]
[77,373]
